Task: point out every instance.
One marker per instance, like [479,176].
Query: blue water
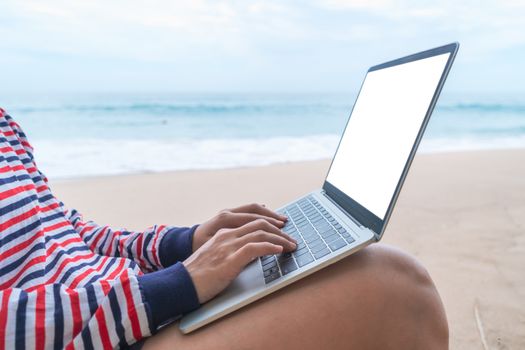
[83,135]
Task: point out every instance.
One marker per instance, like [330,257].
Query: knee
[409,304]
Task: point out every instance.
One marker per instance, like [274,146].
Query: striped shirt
[70,283]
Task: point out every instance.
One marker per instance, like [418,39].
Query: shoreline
[462,214]
[152,172]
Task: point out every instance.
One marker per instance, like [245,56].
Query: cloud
[261,42]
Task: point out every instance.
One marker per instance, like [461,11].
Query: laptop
[357,198]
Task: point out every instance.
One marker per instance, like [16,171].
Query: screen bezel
[362,215]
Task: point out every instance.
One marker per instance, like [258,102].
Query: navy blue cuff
[168,293]
[176,245]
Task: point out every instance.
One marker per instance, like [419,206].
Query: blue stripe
[20,328]
[145,251]
[18,262]
[93,306]
[14,178]
[103,273]
[70,251]
[5,210]
[117,316]
[93,232]
[19,233]
[45,198]
[129,245]
[101,245]
[58,318]
[31,277]
[71,270]
[51,217]
[61,234]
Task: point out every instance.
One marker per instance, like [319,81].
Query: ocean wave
[184,108]
[484,107]
[91,157]
[94,157]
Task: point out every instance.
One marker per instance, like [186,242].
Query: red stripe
[57,225]
[4,310]
[40,319]
[98,236]
[132,311]
[117,270]
[63,244]
[115,234]
[106,286]
[7,168]
[103,328]
[7,149]
[16,190]
[17,219]
[154,248]
[66,261]
[22,246]
[75,311]
[80,277]
[142,263]
[14,279]
[49,207]
[42,188]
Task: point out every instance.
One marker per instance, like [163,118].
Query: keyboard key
[269,263]
[338,244]
[350,239]
[271,278]
[304,259]
[319,246]
[271,271]
[331,238]
[321,253]
[284,256]
[300,252]
[288,266]
[328,232]
[310,239]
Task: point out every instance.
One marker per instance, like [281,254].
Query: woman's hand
[233,218]
[218,262]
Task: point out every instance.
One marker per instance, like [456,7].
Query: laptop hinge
[376,235]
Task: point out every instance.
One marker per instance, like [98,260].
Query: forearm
[157,247]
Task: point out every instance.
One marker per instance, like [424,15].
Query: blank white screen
[382,129]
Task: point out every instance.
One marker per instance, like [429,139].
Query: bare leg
[379,298]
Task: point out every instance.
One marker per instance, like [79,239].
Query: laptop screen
[382,130]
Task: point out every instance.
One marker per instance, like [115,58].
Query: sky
[250,46]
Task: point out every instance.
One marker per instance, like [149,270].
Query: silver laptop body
[354,205]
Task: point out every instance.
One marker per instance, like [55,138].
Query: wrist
[168,293]
[176,245]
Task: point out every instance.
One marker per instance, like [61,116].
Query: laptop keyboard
[317,234]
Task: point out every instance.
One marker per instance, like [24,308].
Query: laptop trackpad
[247,284]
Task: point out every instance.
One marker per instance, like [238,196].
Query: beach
[462,214]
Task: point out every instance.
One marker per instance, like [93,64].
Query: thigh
[343,306]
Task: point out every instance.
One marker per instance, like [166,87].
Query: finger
[253,250]
[263,236]
[240,219]
[259,209]
[263,225]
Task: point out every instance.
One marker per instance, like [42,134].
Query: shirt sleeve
[154,248]
[104,315]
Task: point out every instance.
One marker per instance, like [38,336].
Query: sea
[81,135]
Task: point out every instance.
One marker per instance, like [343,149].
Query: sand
[461,214]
